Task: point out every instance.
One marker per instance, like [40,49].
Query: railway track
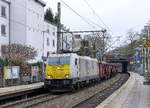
[79,99]
[27,103]
[96,99]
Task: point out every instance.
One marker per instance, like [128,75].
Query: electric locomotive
[69,71]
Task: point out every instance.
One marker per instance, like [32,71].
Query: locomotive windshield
[65,60]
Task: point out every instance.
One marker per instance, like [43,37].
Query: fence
[12,76]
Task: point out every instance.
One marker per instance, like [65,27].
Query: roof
[77,36]
[88,58]
[60,55]
[41,2]
[73,54]
[7,1]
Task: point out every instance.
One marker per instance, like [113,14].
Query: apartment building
[27,27]
[50,38]
[4,22]
[22,21]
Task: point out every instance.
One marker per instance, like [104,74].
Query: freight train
[69,71]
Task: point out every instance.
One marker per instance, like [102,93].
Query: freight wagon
[106,70]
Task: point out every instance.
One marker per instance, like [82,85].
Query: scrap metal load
[70,71]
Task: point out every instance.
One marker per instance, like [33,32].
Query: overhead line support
[84,31]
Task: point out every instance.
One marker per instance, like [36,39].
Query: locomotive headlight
[49,76]
[67,76]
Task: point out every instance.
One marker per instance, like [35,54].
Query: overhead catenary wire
[112,43]
[29,26]
[39,29]
[88,21]
[94,12]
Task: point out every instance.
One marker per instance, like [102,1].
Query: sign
[35,70]
[44,58]
[15,72]
[147,44]
[11,72]
[132,60]
[7,72]
[139,58]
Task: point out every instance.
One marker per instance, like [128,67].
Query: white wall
[18,21]
[34,21]
[76,44]
[4,39]
[51,35]
[26,27]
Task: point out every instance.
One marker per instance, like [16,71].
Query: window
[53,43]
[65,60]
[3,11]
[53,33]
[48,42]
[59,60]
[76,61]
[53,61]
[3,29]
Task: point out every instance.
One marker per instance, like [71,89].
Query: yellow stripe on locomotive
[58,72]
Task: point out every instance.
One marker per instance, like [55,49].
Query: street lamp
[142,56]
[44,58]
[47,31]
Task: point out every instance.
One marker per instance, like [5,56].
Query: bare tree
[132,36]
[108,43]
[18,54]
[95,43]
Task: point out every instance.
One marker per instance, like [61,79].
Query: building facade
[76,43]
[50,38]
[22,22]
[27,27]
[4,23]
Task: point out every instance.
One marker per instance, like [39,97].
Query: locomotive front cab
[57,72]
[58,68]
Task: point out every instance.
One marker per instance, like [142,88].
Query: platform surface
[133,95]
[20,88]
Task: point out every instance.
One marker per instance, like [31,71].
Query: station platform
[133,94]
[21,88]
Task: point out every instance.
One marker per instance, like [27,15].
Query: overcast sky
[118,15]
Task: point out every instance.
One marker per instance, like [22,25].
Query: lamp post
[142,56]
[145,59]
[44,58]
